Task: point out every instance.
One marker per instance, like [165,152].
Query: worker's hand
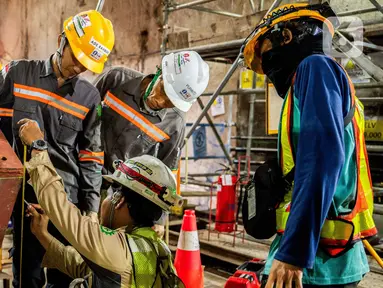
[29,131]
[39,220]
[282,275]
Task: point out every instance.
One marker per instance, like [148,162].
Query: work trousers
[32,254]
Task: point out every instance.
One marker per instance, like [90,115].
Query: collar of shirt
[47,70]
[138,97]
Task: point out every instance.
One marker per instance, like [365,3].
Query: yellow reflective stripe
[5,112]
[287,160]
[47,97]
[135,117]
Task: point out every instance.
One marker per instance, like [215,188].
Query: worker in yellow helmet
[327,205]
[67,108]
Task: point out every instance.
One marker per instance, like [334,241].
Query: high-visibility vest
[339,233]
[151,257]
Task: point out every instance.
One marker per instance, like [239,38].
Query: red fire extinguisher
[226,203]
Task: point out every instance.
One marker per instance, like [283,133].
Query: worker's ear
[287,36]
[59,40]
[120,203]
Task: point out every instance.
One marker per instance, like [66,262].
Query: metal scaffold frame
[231,48]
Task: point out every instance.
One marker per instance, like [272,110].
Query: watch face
[40,142]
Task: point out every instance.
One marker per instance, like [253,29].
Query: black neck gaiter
[280,63]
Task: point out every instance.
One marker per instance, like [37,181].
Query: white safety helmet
[149,177]
[185,77]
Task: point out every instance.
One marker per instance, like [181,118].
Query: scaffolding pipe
[100,5]
[239,91]
[230,121]
[188,5]
[374,148]
[362,60]
[250,124]
[204,174]
[372,99]
[254,149]
[252,6]
[165,27]
[368,85]
[254,137]
[377,5]
[197,193]
[217,12]
[359,11]
[194,182]
[216,93]
[216,134]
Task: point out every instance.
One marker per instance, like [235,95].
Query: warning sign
[373,128]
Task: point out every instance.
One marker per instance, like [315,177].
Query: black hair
[303,30]
[143,211]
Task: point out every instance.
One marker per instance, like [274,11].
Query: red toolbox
[11,175]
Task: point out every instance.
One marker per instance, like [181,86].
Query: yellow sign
[247,79]
[373,129]
[260,81]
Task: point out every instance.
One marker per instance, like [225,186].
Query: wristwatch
[40,145]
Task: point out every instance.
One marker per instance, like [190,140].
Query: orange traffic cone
[188,258]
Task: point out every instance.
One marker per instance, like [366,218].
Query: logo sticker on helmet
[85,21]
[142,166]
[179,61]
[96,55]
[99,46]
[185,94]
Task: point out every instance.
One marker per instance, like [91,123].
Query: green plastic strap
[151,84]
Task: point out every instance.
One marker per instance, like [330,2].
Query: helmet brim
[113,179]
[174,98]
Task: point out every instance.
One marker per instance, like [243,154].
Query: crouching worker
[121,252]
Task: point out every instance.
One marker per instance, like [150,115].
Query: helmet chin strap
[115,199]
[60,53]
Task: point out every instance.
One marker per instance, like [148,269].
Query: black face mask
[280,63]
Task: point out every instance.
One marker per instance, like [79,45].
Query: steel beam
[216,134]
[362,60]
[188,5]
[218,12]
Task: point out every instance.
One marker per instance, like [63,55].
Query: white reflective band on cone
[188,241]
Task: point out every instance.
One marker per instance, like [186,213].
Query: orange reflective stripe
[135,117]
[98,154]
[49,98]
[89,156]
[5,112]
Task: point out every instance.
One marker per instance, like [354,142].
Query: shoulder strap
[349,116]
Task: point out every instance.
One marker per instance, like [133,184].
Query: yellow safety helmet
[283,13]
[91,38]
